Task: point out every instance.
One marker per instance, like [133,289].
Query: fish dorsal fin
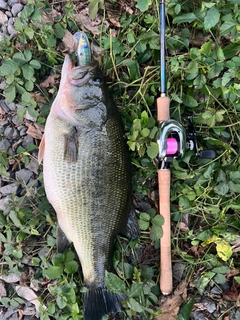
[71,146]
[41,150]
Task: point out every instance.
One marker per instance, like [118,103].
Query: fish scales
[87,177]
[89,195]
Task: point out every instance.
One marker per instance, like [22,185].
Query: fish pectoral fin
[71,146]
[62,240]
[131,230]
[41,150]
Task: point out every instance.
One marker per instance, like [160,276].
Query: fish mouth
[81,75]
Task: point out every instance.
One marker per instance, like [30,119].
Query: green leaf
[158,220]
[206,48]
[53,272]
[61,301]
[152,150]
[134,305]
[133,68]
[29,85]
[212,18]
[227,27]
[131,36]
[19,58]
[10,93]
[189,101]
[143,225]
[143,5]
[145,132]
[192,67]
[35,64]
[15,219]
[71,267]
[29,32]
[187,17]
[59,31]
[94,6]
[221,269]
[156,233]
[114,283]
[28,71]
[8,67]
[28,55]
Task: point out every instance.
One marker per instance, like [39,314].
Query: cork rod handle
[164,179]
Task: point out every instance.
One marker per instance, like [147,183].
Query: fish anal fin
[41,150]
[71,146]
[62,240]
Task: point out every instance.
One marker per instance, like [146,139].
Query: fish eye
[97,80]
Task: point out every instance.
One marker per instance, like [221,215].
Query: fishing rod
[172,141]
[171,138]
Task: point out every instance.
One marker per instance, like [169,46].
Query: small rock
[33,166]
[12,106]
[16,120]
[4,204]
[23,131]
[16,8]
[43,252]
[4,105]
[178,269]
[23,175]
[34,284]
[27,141]
[9,14]
[209,304]
[11,30]
[197,315]
[8,189]
[3,5]
[15,134]
[3,83]
[32,183]
[12,2]
[4,145]
[3,18]
[10,278]
[3,123]
[216,290]
[8,133]
[11,314]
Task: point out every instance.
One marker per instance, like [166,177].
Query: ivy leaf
[212,18]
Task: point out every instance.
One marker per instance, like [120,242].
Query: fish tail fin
[99,302]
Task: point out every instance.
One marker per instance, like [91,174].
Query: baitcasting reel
[173,141]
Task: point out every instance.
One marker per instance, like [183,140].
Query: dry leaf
[232,294]
[49,81]
[3,292]
[68,41]
[34,132]
[38,97]
[172,305]
[183,227]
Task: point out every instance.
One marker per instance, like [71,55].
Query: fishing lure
[83,48]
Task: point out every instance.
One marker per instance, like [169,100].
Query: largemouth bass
[86,169]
